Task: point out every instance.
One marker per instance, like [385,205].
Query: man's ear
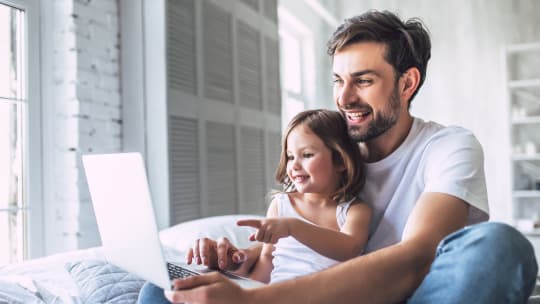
[409,83]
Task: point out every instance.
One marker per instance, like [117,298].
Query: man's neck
[382,146]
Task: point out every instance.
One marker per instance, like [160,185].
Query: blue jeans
[150,293]
[484,263]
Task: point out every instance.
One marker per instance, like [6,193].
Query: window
[14,126]
[296,64]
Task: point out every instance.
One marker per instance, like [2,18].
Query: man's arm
[388,275]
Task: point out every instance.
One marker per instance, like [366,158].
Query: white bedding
[43,275]
[45,280]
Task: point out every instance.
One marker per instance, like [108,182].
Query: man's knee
[499,239]
[494,243]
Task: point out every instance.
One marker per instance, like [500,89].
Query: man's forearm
[386,276]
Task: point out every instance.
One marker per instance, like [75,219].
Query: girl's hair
[331,128]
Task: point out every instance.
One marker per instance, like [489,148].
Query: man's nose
[345,97]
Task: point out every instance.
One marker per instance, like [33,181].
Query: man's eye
[363,81]
[337,81]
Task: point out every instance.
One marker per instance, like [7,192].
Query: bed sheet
[43,280]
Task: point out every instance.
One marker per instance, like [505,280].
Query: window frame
[33,238]
[293,102]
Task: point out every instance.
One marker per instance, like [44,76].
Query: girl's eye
[308,155]
[290,157]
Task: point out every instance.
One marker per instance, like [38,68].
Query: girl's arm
[338,245]
[263,268]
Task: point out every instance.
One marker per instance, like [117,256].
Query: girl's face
[309,163]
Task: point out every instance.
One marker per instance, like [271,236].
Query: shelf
[527,83]
[523,88]
[532,232]
[523,47]
[526,193]
[526,120]
[520,157]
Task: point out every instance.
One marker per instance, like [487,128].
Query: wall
[466,75]
[82,112]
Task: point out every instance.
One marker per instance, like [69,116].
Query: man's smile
[357,116]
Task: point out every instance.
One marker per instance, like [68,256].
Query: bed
[84,276]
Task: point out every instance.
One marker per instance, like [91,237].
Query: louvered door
[210,106]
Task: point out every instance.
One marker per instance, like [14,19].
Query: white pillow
[182,236]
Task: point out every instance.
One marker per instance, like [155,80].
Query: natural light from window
[12,110]
[297,64]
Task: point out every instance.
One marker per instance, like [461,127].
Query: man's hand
[208,288]
[220,254]
[269,230]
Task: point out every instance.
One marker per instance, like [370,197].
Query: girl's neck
[315,199]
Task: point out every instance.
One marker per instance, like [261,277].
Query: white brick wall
[87,110]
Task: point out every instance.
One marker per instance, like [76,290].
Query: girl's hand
[220,254]
[269,230]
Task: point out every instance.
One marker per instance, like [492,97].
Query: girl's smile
[309,163]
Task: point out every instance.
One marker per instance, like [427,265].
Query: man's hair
[331,128]
[407,43]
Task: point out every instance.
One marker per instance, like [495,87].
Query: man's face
[365,90]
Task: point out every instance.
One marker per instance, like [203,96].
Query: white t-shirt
[433,158]
[292,258]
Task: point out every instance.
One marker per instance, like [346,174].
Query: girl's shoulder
[354,203]
[281,200]
[277,196]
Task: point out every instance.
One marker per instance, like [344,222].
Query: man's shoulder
[435,132]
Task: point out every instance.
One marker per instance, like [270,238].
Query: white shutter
[184,169]
[270,10]
[221,168]
[249,66]
[273,150]
[218,56]
[216,110]
[253,4]
[181,53]
[253,175]
[273,90]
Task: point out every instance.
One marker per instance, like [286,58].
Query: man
[426,185]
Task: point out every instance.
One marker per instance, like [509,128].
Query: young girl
[317,221]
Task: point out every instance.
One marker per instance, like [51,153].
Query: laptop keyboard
[177,272]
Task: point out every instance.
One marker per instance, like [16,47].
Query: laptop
[126,220]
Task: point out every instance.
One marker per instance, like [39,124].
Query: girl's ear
[340,167]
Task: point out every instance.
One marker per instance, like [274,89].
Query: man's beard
[382,123]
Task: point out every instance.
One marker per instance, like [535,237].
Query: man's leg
[484,263]
[150,293]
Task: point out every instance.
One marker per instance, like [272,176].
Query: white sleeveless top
[292,258]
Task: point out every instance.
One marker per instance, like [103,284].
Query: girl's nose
[296,164]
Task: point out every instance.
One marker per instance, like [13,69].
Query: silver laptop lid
[125,216]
